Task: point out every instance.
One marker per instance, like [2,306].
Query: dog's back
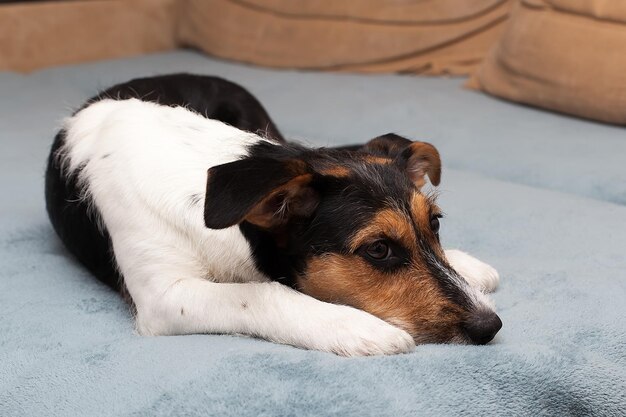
[212,97]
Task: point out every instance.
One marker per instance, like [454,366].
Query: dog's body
[127,192]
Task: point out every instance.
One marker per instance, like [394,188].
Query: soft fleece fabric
[540,196]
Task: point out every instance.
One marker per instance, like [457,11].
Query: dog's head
[352,227]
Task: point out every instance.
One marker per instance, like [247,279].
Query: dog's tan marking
[420,211]
[335,171]
[422,208]
[373,159]
[388,223]
[409,298]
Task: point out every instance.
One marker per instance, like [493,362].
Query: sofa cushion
[566,56]
[34,35]
[426,37]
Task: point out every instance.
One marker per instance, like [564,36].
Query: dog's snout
[483,327]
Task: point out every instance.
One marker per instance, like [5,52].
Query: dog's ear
[389,145]
[418,160]
[264,191]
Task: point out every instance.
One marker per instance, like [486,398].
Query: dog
[181,192]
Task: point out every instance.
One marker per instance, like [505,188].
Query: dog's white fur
[141,163]
[477,273]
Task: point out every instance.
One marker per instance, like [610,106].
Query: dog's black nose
[483,327]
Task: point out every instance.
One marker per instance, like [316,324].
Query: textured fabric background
[540,196]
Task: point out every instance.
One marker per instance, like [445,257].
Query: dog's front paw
[477,273]
[357,333]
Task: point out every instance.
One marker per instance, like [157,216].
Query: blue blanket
[540,196]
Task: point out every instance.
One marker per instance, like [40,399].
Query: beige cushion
[36,35]
[426,37]
[563,55]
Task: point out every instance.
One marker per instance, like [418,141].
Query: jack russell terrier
[180,192]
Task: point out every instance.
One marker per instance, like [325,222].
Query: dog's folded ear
[417,158]
[264,191]
[420,159]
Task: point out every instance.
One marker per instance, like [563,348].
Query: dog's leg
[477,273]
[268,310]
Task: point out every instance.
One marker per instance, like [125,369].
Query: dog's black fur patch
[75,219]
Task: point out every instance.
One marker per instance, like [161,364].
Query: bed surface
[540,196]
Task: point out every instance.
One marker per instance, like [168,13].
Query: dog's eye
[384,254]
[379,250]
[434,223]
